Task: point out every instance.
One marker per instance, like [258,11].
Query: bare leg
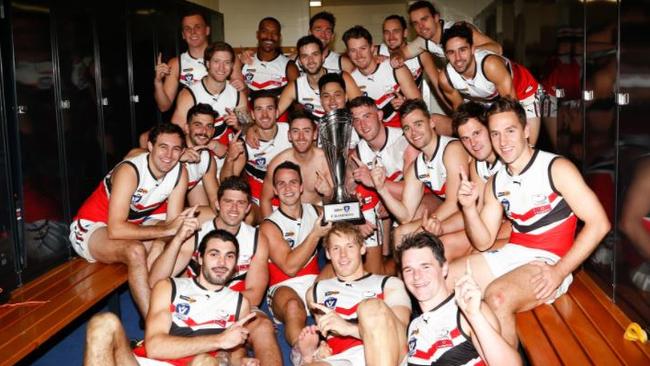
[203,359]
[480,270]
[262,338]
[197,196]
[510,294]
[405,229]
[308,342]
[534,124]
[106,342]
[456,245]
[290,310]
[130,252]
[374,260]
[383,335]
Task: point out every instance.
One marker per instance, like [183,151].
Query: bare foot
[308,342]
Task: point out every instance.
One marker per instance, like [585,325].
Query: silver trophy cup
[335,131]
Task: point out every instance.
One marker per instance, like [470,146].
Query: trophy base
[346,211]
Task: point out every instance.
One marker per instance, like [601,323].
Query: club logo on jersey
[249,75]
[189,77]
[183,309]
[506,204]
[330,302]
[309,107]
[346,208]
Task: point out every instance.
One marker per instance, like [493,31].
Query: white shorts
[531,105]
[143,361]
[352,356]
[549,106]
[373,240]
[299,284]
[80,232]
[512,256]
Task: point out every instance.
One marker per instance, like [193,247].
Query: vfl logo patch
[346,208]
[260,162]
[330,302]
[183,308]
[249,75]
[412,344]
[506,204]
[309,107]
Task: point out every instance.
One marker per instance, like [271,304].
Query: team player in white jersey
[304,90]
[394,35]
[214,89]
[436,167]
[293,232]
[191,318]
[321,26]
[378,80]
[470,126]
[202,182]
[272,139]
[378,145]
[138,201]
[269,69]
[349,306]
[455,327]
[250,277]
[480,75]
[543,195]
[317,181]
[429,27]
[186,69]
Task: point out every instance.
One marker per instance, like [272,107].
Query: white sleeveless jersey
[197,311]
[479,88]
[196,171]
[294,232]
[192,70]
[436,338]
[433,172]
[540,216]
[149,195]
[259,158]
[332,63]
[308,96]
[381,86]
[267,75]
[413,64]
[228,98]
[485,171]
[344,298]
[247,237]
[391,155]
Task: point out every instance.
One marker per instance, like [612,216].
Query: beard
[215,279]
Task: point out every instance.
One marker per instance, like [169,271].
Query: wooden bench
[59,296]
[582,327]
